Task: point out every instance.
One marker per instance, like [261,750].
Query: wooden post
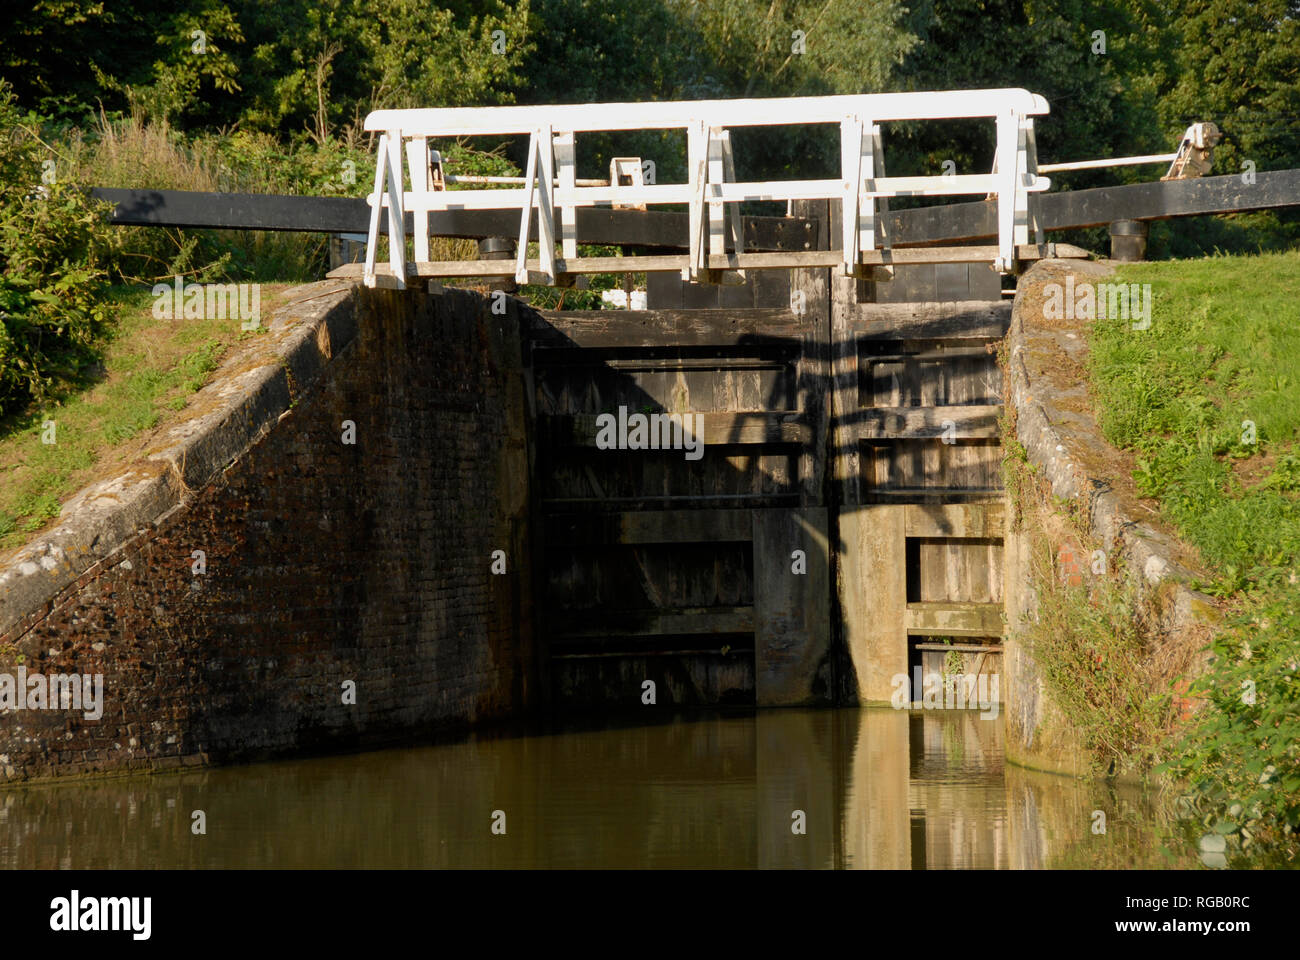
[811,302]
[1010,158]
[566,163]
[697,158]
[851,143]
[792,648]
[396,212]
[546,204]
[417,161]
[874,596]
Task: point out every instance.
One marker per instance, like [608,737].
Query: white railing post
[851,129]
[546,204]
[724,218]
[735,228]
[867,199]
[376,211]
[417,162]
[1025,220]
[1008,182]
[530,186]
[566,163]
[878,153]
[396,211]
[697,157]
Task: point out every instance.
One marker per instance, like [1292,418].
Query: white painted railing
[711,191]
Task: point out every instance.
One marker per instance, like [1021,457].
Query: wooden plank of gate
[792,650]
[755,427]
[874,596]
[962,320]
[964,422]
[984,520]
[955,619]
[604,623]
[651,526]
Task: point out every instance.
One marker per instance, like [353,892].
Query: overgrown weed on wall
[1098,646]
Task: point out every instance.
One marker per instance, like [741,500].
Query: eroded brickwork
[325,562]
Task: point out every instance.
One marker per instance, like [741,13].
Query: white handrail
[551,189]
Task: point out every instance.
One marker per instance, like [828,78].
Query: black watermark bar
[329,910]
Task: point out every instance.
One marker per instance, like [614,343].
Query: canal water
[871,788]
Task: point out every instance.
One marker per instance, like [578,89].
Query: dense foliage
[1122,76]
[52,242]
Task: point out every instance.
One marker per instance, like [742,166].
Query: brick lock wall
[325,563]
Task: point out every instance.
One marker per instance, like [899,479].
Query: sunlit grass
[1209,398]
[149,370]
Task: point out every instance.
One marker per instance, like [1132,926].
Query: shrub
[53,241]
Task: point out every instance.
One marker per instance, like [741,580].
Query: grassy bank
[148,371]
[1208,399]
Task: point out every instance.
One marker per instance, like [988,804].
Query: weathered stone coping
[256,384]
[1063,440]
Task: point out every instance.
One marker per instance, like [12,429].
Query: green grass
[1209,399]
[149,370]
[1211,395]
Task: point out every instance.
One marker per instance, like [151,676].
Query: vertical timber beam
[792,650]
[417,162]
[874,596]
[565,161]
[376,210]
[546,204]
[793,654]
[871,559]
[396,212]
[810,301]
[1010,159]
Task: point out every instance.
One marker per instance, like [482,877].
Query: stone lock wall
[1062,441]
[326,561]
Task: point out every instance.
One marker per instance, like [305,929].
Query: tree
[1241,68]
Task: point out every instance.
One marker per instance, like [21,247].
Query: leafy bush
[1243,756]
[53,241]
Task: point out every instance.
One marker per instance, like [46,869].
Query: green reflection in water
[878,789]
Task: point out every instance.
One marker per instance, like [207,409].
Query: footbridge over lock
[790,497]
[550,193]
